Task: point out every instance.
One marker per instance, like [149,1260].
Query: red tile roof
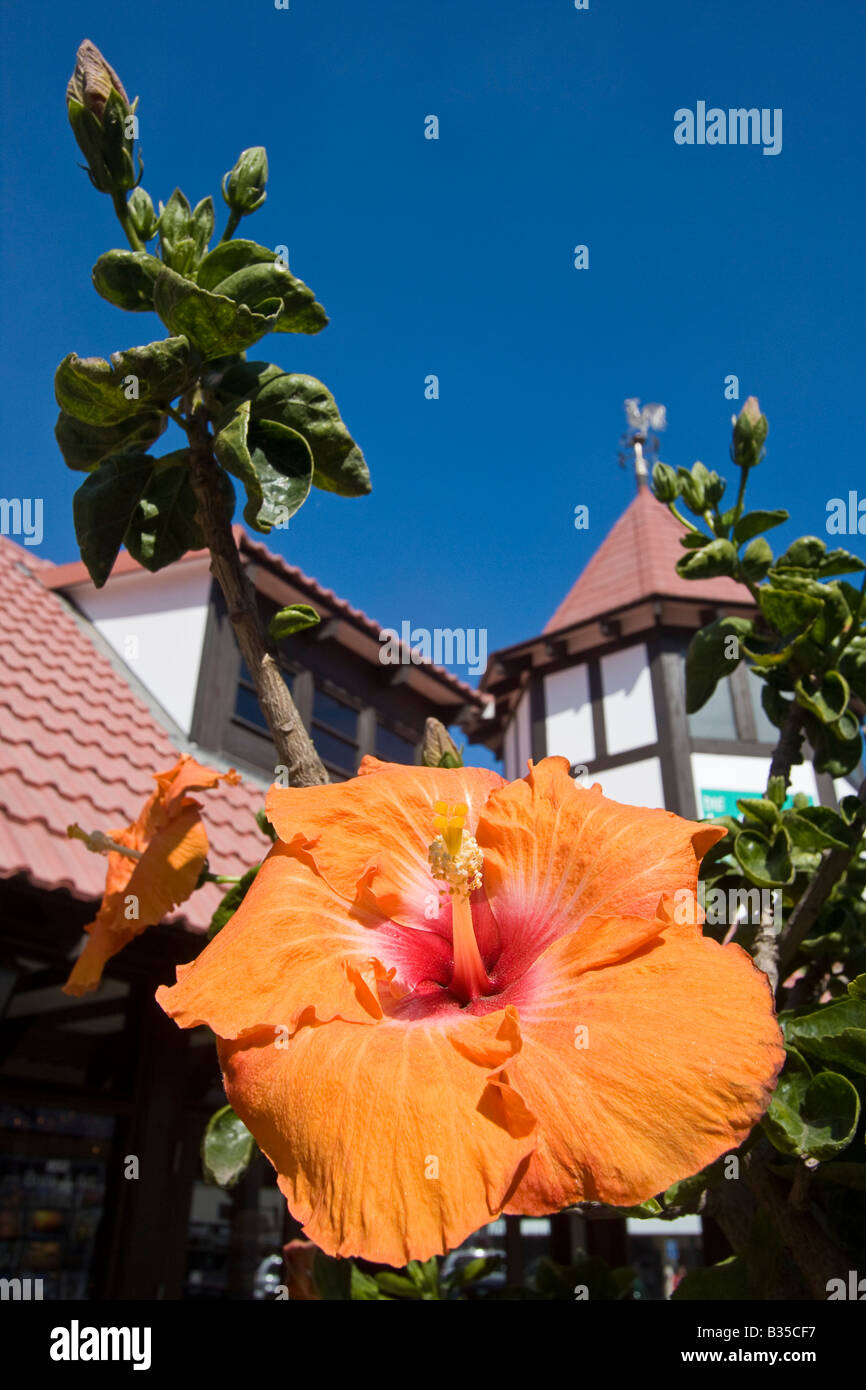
[77,744]
[636,561]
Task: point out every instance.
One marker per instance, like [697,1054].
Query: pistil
[456,858]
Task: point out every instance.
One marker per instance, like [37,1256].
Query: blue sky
[455,257]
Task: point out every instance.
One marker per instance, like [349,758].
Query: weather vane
[640,440]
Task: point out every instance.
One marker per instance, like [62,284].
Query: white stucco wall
[737,773]
[629,713]
[569,714]
[156,624]
[635,784]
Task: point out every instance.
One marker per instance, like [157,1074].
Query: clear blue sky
[456,258]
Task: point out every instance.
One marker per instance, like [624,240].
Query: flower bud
[666,484]
[142,215]
[244,185]
[750,431]
[102,121]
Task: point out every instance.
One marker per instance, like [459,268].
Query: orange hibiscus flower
[168,845]
[446,997]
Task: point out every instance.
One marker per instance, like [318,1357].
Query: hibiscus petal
[556,853]
[378,827]
[677,1064]
[392,1142]
[292,946]
[166,875]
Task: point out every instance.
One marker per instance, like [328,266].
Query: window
[766,732]
[393,747]
[247,705]
[715,719]
[335,732]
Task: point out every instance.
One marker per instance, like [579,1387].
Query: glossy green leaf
[857,987]
[805,553]
[827,701]
[816,828]
[836,1033]
[838,748]
[811,1116]
[163,526]
[753,523]
[296,618]
[230,256]
[714,652]
[84,447]
[759,808]
[103,508]
[756,559]
[263,286]
[227,1148]
[126,279]
[303,404]
[105,393]
[714,560]
[272,461]
[214,324]
[767,861]
[788,611]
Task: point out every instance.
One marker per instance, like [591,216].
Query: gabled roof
[78,744]
[636,561]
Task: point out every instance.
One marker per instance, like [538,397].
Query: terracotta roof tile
[636,561]
[77,744]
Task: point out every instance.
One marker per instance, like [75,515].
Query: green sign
[724,803]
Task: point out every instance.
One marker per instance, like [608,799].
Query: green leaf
[806,553]
[101,393]
[295,618]
[231,902]
[103,508]
[126,279]
[179,236]
[789,611]
[816,828]
[272,461]
[227,1148]
[230,256]
[853,667]
[334,1278]
[163,527]
[840,562]
[761,809]
[303,404]
[84,447]
[135,500]
[835,1033]
[753,523]
[766,861]
[716,559]
[757,559]
[202,225]
[264,286]
[838,748]
[857,987]
[712,655]
[214,324]
[813,1117]
[829,700]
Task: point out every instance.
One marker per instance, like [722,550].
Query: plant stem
[789,747]
[120,207]
[175,415]
[231,226]
[817,1257]
[293,745]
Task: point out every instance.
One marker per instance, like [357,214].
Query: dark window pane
[716,718]
[393,747]
[247,706]
[335,714]
[767,732]
[333,750]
